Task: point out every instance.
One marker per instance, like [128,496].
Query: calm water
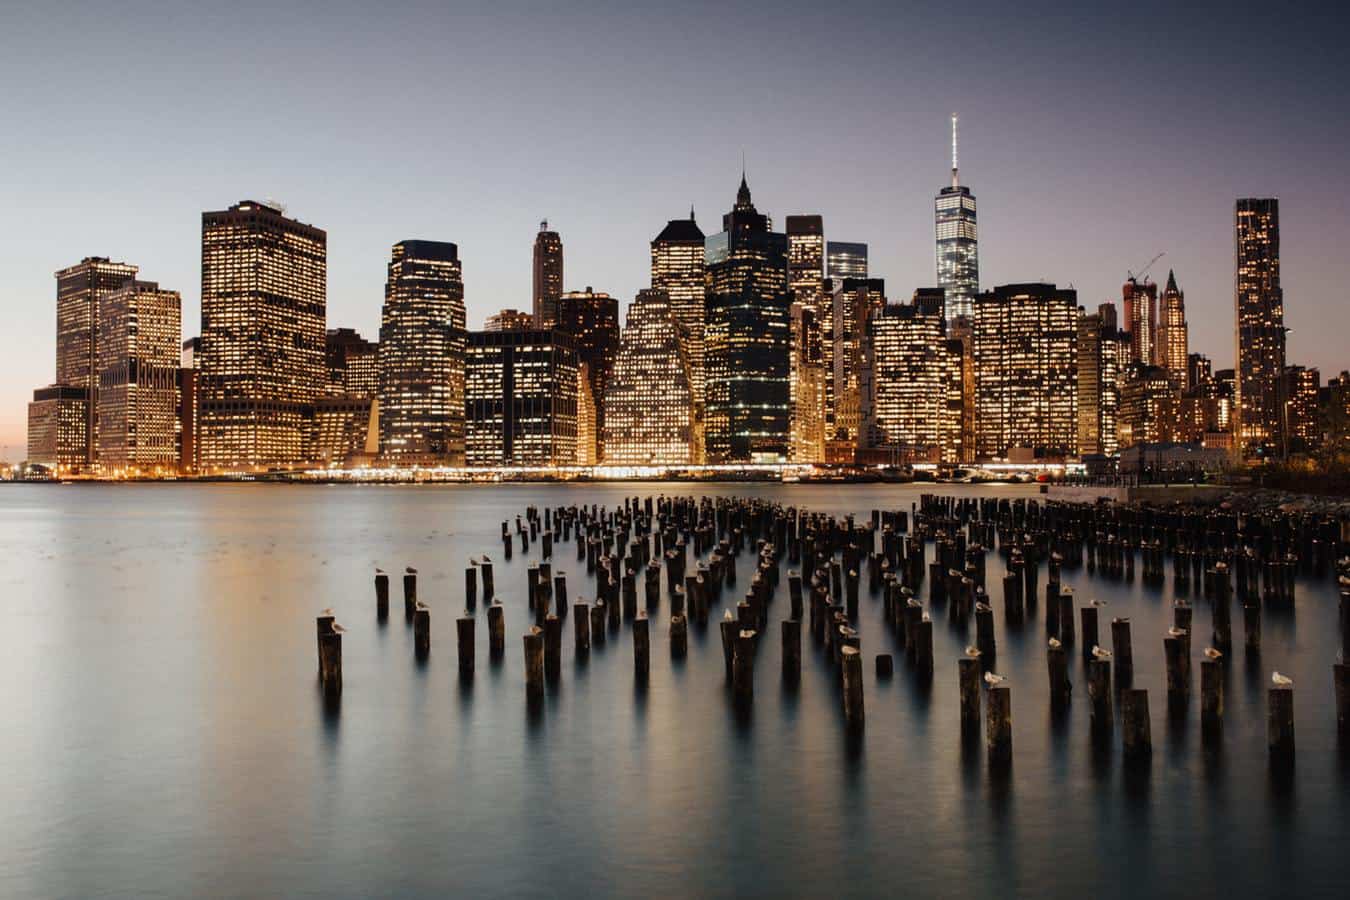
[164,735]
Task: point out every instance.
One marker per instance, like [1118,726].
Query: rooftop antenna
[955,181]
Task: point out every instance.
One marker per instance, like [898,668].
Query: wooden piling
[1178,671]
[597,624]
[421,630]
[984,629]
[923,657]
[1211,692]
[381,596]
[581,628]
[496,630]
[853,688]
[679,637]
[330,655]
[552,647]
[642,647]
[1251,624]
[1057,666]
[534,662]
[1066,619]
[1123,652]
[1099,696]
[1088,617]
[743,666]
[998,726]
[968,678]
[1280,723]
[1136,731]
[489,589]
[792,650]
[470,587]
[729,630]
[464,644]
[1340,673]
[885,666]
[409,593]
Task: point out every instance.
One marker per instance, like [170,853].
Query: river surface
[164,736]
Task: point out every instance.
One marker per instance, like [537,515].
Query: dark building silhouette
[548,276]
[592,319]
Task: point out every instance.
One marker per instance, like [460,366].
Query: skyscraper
[1100,350]
[353,364]
[649,401]
[592,319]
[139,351]
[806,258]
[677,269]
[1140,302]
[958,255]
[807,377]
[58,427]
[79,290]
[264,302]
[548,276]
[1260,326]
[845,260]
[421,355]
[1149,406]
[854,302]
[1173,337]
[1026,353]
[1301,418]
[521,398]
[747,337]
[909,381]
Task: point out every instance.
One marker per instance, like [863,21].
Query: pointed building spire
[1171,282]
[691,212]
[743,194]
[956,181]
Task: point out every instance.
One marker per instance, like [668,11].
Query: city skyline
[1124,204]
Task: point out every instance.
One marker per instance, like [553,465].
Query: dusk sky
[1092,140]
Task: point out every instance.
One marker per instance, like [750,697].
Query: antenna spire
[955,180]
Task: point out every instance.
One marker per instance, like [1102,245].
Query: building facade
[1101,351]
[845,259]
[958,249]
[677,269]
[649,400]
[1026,354]
[79,291]
[1260,335]
[548,276]
[421,356]
[140,346]
[1173,333]
[853,303]
[353,364]
[1149,407]
[909,381]
[747,338]
[264,304]
[521,398]
[807,378]
[509,320]
[1140,302]
[592,319]
[58,428]
[1302,414]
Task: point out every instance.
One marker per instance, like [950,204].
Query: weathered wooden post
[421,630]
[743,666]
[1251,622]
[1057,665]
[885,666]
[464,634]
[489,589]
[409,592]
[381,596]
[998,723]
[1088,616]
[534,663]
[984,629]
[597,624]
[853,688]
[792,650]
[496,630]
[1211,692]
[552,647]
[679,637]
[581,628]
[923,657]
[470,587]
[1123,652]
[1340,673]
[1178,667]
[1099,692]
[642,647]
[1280,719]
[795,594]
[329,635]
[1066,623]
[968,678]
[729,630]
[1136,732]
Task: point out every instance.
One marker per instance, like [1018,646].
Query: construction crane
[1130,276]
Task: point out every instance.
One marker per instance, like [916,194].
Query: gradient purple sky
[1093,140]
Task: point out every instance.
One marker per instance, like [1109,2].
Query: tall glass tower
[958,255]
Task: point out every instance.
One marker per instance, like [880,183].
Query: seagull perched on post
[1054,643]
[994,680]
[1281,681]
[1099,653]
[410,570]
[972,652]
[1175,631]
[339,629]
[326,611]
[1211,653]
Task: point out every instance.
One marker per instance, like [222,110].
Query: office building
[845,260]
[353,364]
[58,428]
[421,356]
[677,269]
[1026,353]
[649,401]
[807,378]
[909,378]
[1259,401]
[853,303]
[79,290]
[747,338]
[592,319]
[1140,302]
[1173,333]
[548,276]
[958,255]
[264,302]
[140,345]
[1302,416]
[521,398]
[509,320]
[1149,407]
[1101,349]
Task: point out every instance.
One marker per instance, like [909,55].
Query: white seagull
[972,652]
[1099,653]
[1054,643]
[1281,681]
[993,680]
[1175,631]
[1211,653]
